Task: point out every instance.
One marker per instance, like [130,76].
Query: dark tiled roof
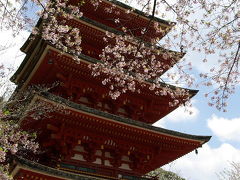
[51,171]
[81,56]
[115,31]
[141,13]
[138,124]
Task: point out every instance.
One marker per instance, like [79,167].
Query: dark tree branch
[234,63]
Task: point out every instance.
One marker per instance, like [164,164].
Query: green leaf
[6,112]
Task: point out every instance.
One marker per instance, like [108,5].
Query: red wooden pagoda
[92,136]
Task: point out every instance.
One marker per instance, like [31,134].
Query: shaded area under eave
[128,121]
[25,169]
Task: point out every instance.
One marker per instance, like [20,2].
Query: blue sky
[224,128]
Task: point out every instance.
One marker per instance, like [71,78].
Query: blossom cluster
[13,141]
[129,64]
[55,16]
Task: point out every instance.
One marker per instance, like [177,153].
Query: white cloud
[225,129]
[10,57]
[206,164]
[181,114]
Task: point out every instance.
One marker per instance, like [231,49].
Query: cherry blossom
[210,27]
[13,141]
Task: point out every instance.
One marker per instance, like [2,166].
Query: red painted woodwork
[144,150]
[92,43]
[106,13]
[77,84]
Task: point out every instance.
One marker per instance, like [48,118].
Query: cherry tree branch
[234,63]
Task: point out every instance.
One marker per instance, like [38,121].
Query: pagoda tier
[134,20]
[78,137]
[93,44]
[77,84]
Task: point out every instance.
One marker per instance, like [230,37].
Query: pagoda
[92,136]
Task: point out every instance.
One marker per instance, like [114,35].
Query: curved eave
[138,12]
[28,46]
[71,105]
[27,68]
[27,64]
[192,92]
[52,173]
[29,40]
[101,27]
[105,28]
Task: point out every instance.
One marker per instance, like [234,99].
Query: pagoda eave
[26,169]
[128,15]
[93,30]
[49,97]
[62,68]
[46,48]
[156,146]
[162,21]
